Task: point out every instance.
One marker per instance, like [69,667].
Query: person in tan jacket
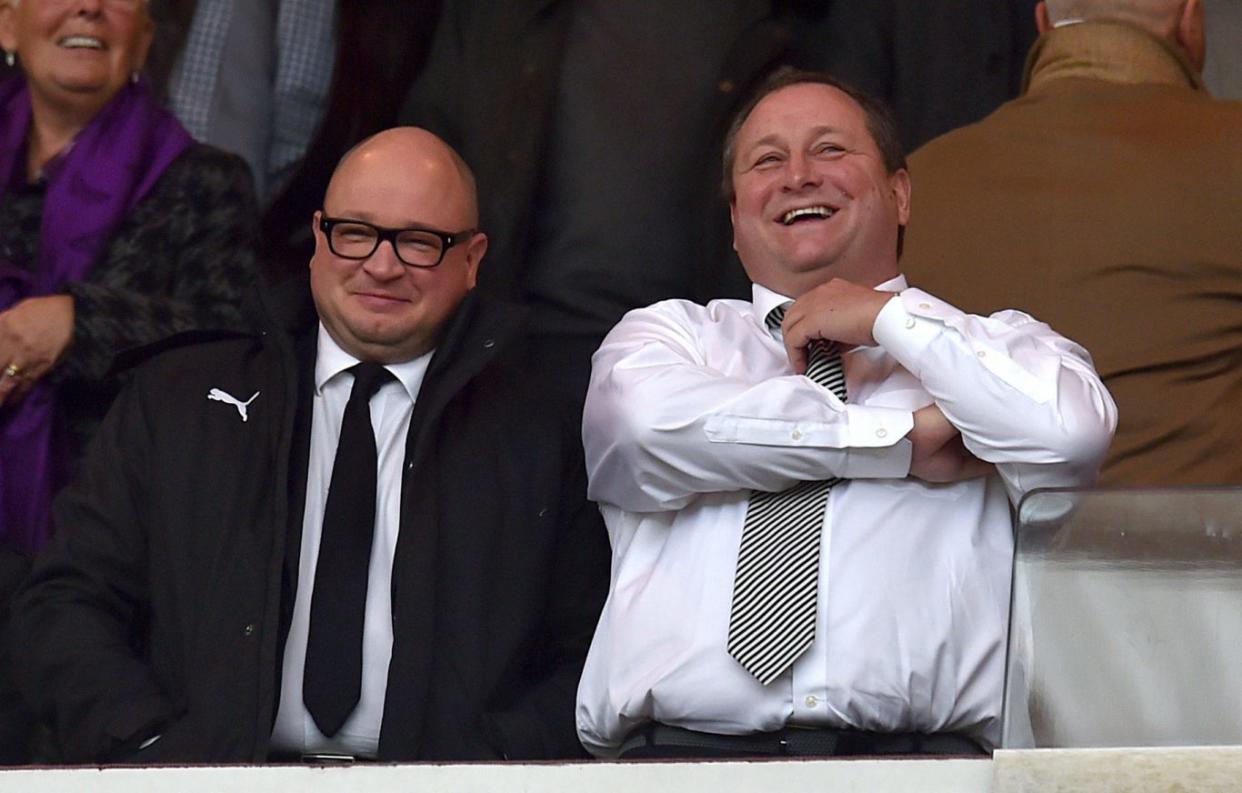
[1107,200]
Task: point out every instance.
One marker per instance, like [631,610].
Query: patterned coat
[182,259]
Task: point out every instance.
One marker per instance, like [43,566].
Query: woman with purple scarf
[116,230]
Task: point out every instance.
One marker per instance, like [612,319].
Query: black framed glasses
[415,246]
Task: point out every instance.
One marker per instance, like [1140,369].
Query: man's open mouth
[807,213]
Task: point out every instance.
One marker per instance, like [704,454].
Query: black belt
[661,740]
[318,758]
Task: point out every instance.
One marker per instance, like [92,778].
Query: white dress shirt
[391,407]
[692,407]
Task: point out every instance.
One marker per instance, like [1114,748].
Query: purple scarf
[113,163]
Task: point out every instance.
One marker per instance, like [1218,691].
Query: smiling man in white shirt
[879,628]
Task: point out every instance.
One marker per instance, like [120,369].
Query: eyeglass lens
[358,241]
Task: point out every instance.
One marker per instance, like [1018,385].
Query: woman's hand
[34,335]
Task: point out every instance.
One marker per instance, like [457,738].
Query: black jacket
[161,604]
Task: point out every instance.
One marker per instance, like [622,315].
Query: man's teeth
[75,42]
[819,212]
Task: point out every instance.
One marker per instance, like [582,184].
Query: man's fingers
[795,343]
[797,358]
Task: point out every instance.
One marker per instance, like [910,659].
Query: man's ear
[1191,33]
[733,220]
[320,239]
[1042,24]
[476,249]
[899,180]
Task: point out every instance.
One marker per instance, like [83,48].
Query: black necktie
[333,671]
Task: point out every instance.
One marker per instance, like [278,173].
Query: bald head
[416,196]
[416,154]
[1180,22]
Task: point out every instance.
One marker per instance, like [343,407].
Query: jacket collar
[479,328]
[1112,51]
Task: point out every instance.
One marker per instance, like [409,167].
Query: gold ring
[13,370]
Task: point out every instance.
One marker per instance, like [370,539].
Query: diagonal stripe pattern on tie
[772,620]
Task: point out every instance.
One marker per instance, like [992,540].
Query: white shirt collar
[764,299]
[331,360]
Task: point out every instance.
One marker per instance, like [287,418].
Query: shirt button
[881,433]
[811,701]
[489,343]
[796,435]
[248,630]
[910,322]
[981,354]
[925,306]
[725,86]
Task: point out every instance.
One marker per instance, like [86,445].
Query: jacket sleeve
[1023,397]
[183,260]
[662,425]
[539,723]
[79,617]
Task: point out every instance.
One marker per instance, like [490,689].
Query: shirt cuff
[863,427]
[903,333]
[891,462]
[911,322]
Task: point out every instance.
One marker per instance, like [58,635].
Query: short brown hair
[879,118]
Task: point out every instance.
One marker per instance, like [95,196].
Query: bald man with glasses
[359,534]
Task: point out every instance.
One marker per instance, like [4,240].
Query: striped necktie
[772,621]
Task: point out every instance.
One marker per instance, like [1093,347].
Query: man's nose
[800,172]
[383,264]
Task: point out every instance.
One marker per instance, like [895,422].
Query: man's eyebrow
[778,140]
[771,139]
[370,217]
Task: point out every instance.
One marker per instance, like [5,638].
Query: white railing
[1199,769]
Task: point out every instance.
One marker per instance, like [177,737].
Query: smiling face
[378,309]
[813,199]
[76,53]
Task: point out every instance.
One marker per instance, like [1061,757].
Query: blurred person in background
[116,230]
[1105,200]
[248,76]
[595,128]
[380,50]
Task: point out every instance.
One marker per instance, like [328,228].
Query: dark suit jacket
[490,86]
[158,607]
[172,27]
[939,64]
